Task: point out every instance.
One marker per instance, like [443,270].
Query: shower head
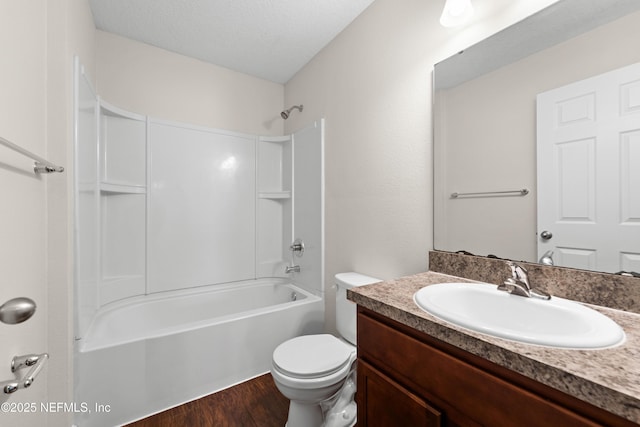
[285,113]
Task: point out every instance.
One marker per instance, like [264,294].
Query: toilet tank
[345,309]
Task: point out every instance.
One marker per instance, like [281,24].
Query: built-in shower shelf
[274,195]
[107,187]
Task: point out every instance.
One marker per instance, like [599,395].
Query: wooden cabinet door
[383,402]
[468,390]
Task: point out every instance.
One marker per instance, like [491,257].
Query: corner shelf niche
[108,188]
[274,195]
[274,205]
[123,202]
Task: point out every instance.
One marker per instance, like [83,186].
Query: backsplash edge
[603,289]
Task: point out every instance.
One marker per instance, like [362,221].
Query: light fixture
[456,12]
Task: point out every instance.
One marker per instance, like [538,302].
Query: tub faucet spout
[292,269]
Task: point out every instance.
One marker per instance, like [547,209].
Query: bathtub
[146,354]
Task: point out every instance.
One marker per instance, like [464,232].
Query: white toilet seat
[311,356]
[312,361]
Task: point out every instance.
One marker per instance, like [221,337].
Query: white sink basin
[555,323]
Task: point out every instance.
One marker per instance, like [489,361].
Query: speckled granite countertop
[609,378]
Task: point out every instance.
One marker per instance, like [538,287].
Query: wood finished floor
[256,402]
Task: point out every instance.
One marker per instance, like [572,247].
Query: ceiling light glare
[456,12]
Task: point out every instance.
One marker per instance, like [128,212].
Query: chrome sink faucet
[518,283]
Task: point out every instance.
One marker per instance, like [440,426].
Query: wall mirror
[486,172]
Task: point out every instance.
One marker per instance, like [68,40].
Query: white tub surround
[163,205]
[176,225]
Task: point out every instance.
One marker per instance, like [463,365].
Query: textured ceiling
[270,39]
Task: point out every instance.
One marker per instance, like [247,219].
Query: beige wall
[144,79]
[496,146]
[23,116]
[373,85]
[37,41]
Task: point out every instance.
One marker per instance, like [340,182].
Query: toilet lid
[312,356]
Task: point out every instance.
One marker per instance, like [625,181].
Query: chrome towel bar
[40,166]
[522,192]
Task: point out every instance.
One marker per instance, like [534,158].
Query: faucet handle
[518,272]
[518,283]
[514,287]
[297,247]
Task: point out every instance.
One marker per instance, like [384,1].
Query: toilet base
[338,411]
[342,410]
[304,415]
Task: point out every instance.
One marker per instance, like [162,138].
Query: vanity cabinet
[387,403]
[408,378]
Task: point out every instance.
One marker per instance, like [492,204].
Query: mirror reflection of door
[588,137]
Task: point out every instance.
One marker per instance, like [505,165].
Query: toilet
[317,372]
